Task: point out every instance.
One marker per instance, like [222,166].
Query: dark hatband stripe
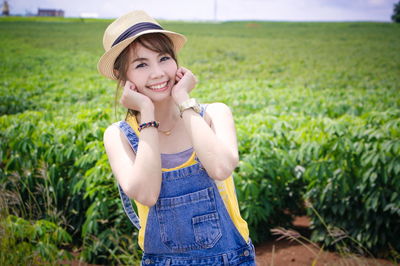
[135,29]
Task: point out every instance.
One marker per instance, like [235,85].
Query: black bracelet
[148,124]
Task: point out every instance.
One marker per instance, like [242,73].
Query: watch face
[194,104]
[196,108]
[191,103]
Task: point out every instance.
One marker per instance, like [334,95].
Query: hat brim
[106,63]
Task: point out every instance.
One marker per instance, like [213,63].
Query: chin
[161,97]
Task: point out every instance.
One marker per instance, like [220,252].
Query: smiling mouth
[159,87]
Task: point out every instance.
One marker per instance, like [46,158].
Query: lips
[159,86]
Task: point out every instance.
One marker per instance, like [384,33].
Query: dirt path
[287,253]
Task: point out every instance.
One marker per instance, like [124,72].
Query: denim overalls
[189,224]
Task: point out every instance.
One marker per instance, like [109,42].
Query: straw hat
[125,30]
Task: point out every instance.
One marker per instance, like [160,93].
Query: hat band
[135,29]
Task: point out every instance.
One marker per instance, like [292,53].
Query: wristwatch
[191,103]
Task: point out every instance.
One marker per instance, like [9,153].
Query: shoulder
[217,112]
[113,135]
[217,107]
[111,131]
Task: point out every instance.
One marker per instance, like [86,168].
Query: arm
[215,144]
[138,174]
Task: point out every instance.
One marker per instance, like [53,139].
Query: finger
[132,86]
[178,77]
[181,71]
[128,85]
[179,74]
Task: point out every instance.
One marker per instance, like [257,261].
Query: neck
[166,112]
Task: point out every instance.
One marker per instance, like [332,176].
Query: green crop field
[317,114]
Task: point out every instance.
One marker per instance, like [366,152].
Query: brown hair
[156,42]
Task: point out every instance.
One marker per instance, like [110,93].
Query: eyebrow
[139,59]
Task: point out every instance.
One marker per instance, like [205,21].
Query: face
[152,73]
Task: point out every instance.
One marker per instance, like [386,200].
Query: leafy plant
[26,243]
[354,186]
[315,105]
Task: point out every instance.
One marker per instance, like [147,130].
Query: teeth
[157,87]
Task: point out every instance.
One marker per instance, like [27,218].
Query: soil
[286,253]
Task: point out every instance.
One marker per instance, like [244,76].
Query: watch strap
[189,104]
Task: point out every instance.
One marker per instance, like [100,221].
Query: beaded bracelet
[148,124]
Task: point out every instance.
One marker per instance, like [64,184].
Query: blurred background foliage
[316,107]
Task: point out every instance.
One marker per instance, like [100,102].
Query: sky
[221,10]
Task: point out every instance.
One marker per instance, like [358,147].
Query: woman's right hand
[134,100]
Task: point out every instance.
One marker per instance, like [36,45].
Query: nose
[157,71]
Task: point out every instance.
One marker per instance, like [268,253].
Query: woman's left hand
[185,83]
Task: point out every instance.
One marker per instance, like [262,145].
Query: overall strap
[130,134]
[126,201]
[203,108]
[128,208]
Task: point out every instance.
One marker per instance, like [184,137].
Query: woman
[173,156]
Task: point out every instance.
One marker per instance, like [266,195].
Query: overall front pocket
[190,221]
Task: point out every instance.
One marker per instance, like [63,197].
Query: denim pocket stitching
[202,195]
[211,221]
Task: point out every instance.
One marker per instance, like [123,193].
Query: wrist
[147,114]
[147,108]
[146,105]
[153,124]
[180,98]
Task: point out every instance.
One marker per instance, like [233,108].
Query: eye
[140,65]
[165,58]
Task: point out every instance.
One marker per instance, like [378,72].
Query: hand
[185,83]
[134,100]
